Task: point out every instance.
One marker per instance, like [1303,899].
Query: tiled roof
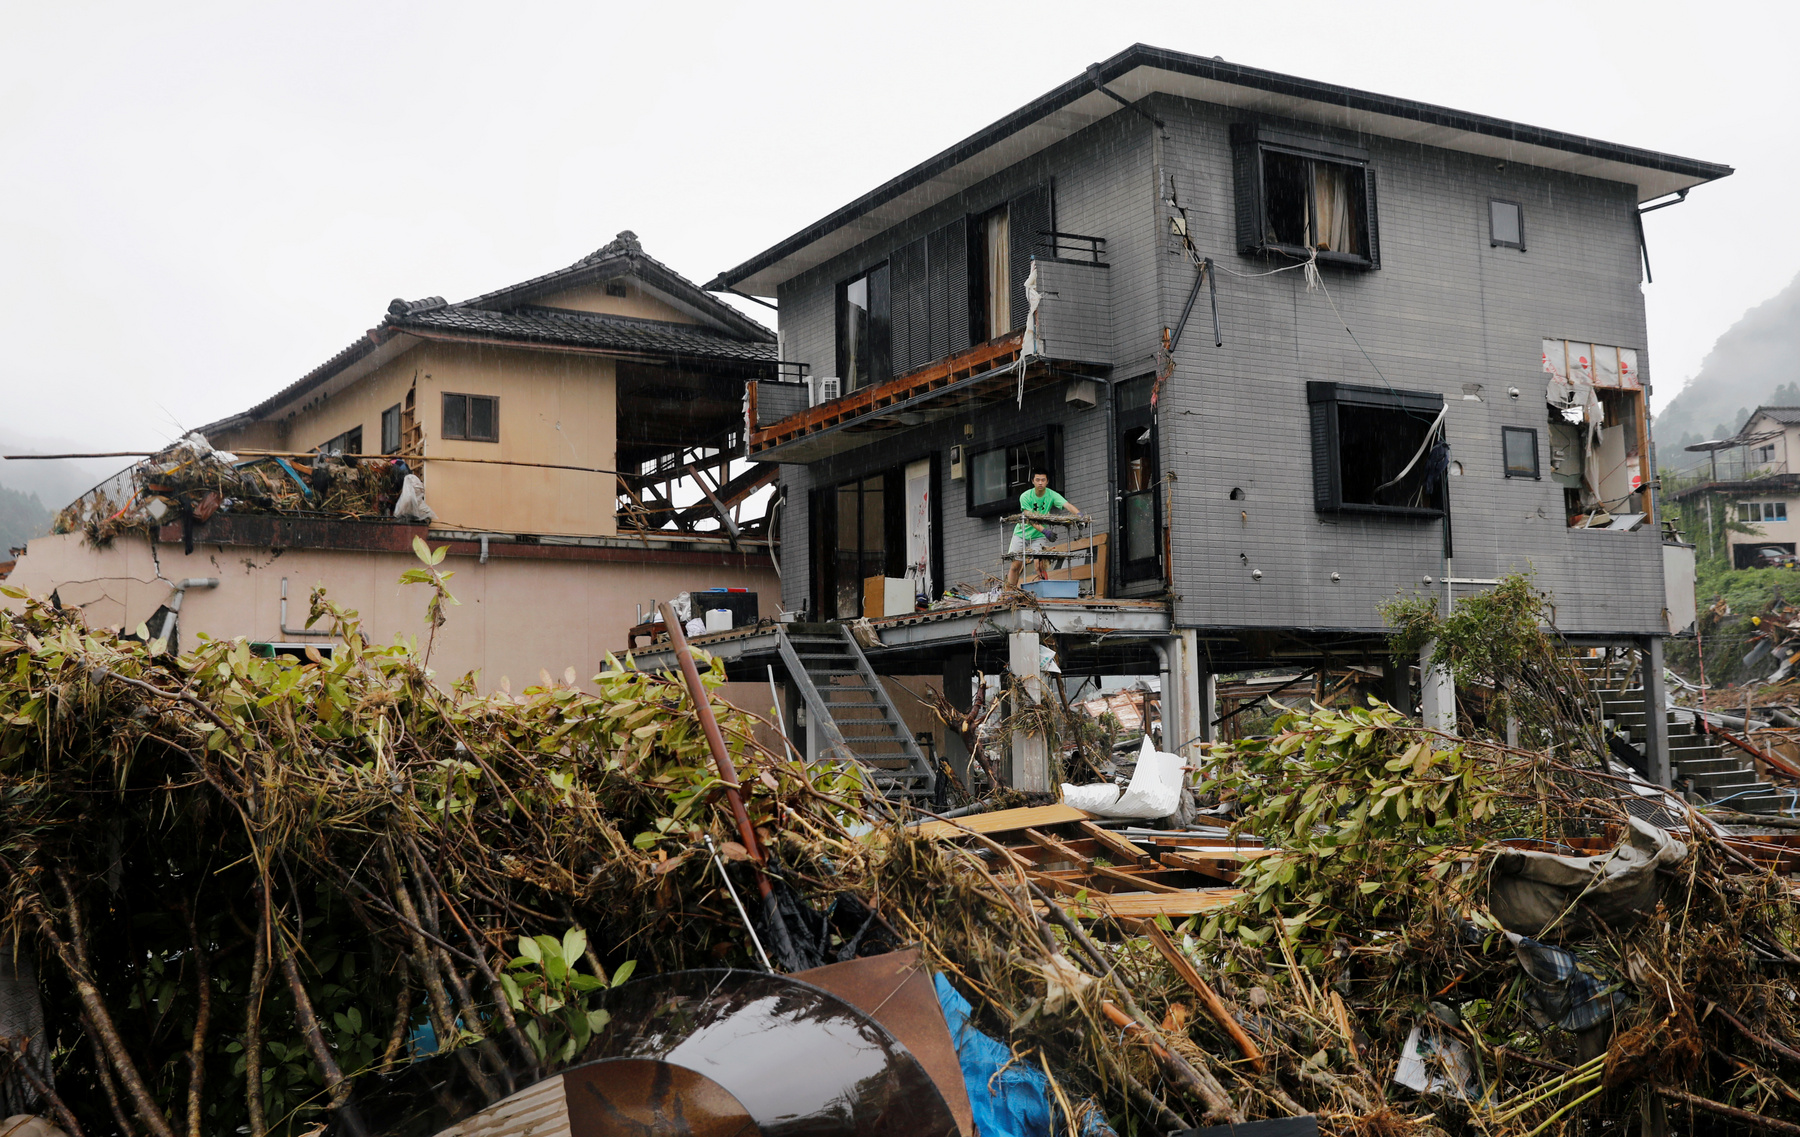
[624,255]
[1787,416]
[508,315]
[580,329]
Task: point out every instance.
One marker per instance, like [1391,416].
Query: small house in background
[578,440]
[1294,349]
[1748,489]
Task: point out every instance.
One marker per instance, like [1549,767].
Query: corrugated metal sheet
[539,1110]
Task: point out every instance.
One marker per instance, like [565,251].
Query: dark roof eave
[1142,55]
[427,329]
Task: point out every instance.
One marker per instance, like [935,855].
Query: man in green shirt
[1027,538]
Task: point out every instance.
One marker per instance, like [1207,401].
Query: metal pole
[748,927]
[728,774]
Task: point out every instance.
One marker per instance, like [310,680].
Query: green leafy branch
[541,982]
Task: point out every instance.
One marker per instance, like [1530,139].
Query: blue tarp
[1008,1098]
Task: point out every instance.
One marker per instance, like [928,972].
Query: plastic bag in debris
[1540,894]
[1155,789]
[1008,1097]
[411,506]
[864,633]
[1563,994]
[1432,1062]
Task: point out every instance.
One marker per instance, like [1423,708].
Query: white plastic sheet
[1155,789]
[411,505]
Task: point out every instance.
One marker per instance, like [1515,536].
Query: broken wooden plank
[1215,1006]
[1188,902]
[1004,821]
[1116,844]
[1220,863]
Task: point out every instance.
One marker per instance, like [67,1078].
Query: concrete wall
[517,616]
[1445,309]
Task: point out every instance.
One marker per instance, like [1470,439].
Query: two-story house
[1753,480]
[1295,348]
[575,434]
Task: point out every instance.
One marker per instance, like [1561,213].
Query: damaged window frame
[1255,147]
[1327,403]
[1519,470]
[466,433]
[1047,440]
[349,442]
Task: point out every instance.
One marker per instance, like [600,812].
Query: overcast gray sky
[204,201]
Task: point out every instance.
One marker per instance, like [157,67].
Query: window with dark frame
[349,442]
[390,430]
[471,418]
[1506,224]
[990,274]
[864,329]
[1304,197]
[1372,450]
[999,474]
[1519,449]
[1139,549]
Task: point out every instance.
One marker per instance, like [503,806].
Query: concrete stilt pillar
[1437,693]
[1030,750]
[1194,719]
[1656,713]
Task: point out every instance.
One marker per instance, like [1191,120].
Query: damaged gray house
[1295,349]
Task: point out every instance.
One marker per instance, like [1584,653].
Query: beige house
[1753,480]
[574,434]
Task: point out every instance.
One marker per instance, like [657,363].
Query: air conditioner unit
[825,388]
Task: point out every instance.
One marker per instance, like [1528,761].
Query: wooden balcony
[984,374]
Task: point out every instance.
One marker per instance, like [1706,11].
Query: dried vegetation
[247,883]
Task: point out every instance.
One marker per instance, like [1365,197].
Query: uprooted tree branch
[257,890]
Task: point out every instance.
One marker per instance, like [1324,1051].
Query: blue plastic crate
[1055,589]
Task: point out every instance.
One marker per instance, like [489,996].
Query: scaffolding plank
[1137,905]
[1004,821]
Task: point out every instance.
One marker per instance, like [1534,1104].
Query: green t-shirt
[1033,502]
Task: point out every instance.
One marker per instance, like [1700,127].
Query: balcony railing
[1074,337]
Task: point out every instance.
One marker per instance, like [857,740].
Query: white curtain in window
[1332,228]
[997,235]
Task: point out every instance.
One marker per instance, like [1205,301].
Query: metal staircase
[1697,761]
[847,701]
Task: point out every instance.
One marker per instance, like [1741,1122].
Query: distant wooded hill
[1756,362]
[22,517]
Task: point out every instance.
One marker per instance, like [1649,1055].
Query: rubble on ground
[265,894]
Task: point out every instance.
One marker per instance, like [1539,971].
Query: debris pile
[257,895]
[191,481]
